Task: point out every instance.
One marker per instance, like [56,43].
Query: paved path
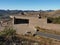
[48,35]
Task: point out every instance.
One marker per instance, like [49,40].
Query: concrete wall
[43,24]
[23,28]
[33,22]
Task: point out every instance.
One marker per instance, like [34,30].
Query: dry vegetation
[10,36]
[42,40]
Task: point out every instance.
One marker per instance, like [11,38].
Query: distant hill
[46,13]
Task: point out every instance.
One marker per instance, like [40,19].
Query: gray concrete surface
[48,35]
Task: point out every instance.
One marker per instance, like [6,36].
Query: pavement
[48,35]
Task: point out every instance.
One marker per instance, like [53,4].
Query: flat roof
[23,16]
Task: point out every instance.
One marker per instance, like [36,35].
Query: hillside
[46,13]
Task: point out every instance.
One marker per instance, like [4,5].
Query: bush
[6,35]
[8,31]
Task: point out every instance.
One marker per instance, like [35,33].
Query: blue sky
[30,4]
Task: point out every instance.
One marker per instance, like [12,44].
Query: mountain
[43,13]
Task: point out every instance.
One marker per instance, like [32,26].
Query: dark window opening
[21,21]
[37,30]
[39,17]
[49,21]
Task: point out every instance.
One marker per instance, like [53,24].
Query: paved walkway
[48,35]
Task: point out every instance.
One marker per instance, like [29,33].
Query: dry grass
[42,40]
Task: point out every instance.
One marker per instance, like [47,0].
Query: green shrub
[8,32]
[6,35]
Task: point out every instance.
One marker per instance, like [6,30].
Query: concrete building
[26,24]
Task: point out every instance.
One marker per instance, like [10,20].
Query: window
[21,21]
[49,21]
